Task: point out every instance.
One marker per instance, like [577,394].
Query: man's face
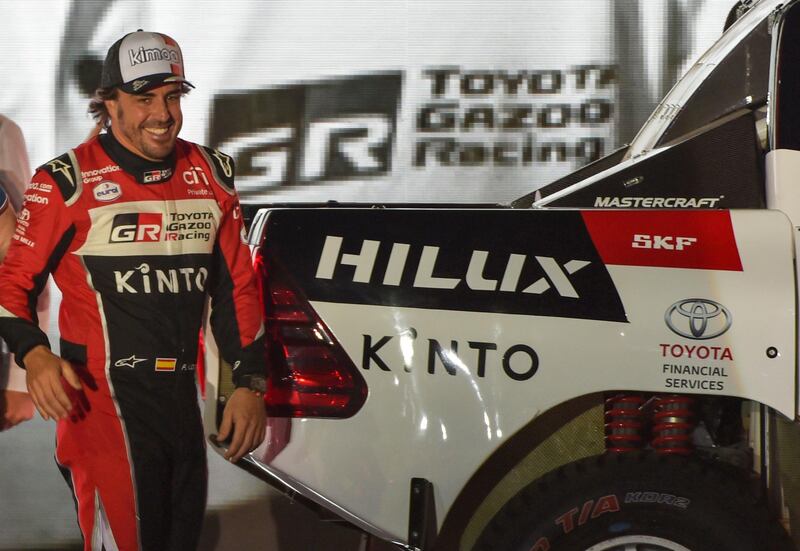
[147,124]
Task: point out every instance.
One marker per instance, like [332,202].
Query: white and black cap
[140,61]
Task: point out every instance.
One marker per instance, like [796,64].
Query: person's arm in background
[15,167]
[7,223]
[15,173]
[16,405]
[42,236]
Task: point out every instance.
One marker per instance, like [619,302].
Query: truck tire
[641,502]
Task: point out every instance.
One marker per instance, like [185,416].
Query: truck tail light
[310,375]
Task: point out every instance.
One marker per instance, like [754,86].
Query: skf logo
[308,140]
[107,191]
[136,227]
[662,242]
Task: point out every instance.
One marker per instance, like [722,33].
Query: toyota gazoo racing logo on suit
[136,227]
[155,176]
[139,227]
[698,318]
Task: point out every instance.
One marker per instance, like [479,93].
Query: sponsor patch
[24,240]
[155,176]
[40,186]
[194,175]
[702,240]
[142,55]
[521,262]
[133,227]
[100,171]
[657,202]
[165,364]
[65,170]
[107,191]
[129,362]
[146,279]
[698,318]
[136,227]
[36,198]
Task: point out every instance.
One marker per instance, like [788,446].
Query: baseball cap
[140,61]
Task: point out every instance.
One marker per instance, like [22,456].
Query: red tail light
[310,375]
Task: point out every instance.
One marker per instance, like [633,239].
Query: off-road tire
[636,501]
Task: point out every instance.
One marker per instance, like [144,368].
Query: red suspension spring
[673,424]
[624,423]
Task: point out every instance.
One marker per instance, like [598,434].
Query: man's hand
[16,408]
[44,371]
[245,414]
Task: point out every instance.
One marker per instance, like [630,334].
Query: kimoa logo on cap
[143,55]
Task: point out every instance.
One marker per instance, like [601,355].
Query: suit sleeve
[236,315]
[42,234]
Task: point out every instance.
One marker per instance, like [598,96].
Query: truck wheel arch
[469,513]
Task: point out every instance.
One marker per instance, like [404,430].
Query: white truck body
[467,325]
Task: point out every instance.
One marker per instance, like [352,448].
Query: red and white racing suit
[135,247]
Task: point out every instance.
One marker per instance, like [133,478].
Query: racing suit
[135,247]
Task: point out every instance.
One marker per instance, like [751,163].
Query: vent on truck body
[310,375]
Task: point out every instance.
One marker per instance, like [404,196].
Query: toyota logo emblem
[698,318]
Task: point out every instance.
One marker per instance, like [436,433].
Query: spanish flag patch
[165,364]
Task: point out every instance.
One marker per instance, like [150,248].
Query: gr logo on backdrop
[308,133]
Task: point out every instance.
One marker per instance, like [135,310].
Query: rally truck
[609,363]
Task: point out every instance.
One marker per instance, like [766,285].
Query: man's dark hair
[97,106]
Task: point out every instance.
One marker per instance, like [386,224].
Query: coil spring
[673,424]
[624,423]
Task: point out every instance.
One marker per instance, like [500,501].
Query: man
[15,172]
[137,227]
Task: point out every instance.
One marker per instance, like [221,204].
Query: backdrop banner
[357,100]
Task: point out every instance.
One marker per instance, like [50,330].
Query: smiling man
[138,228]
